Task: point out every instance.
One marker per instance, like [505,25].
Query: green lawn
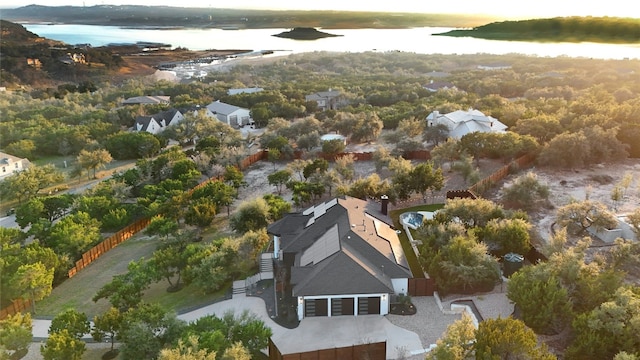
[78,291]
[416,269]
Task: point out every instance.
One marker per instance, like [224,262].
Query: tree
[215,265]
[252,244]
[508,338]
[344,166]
[424,178]
[581,215]
[74,322]
[62,345]
[187,350]
[610,328]
[26,184]
[15,335]
[74,234]
[92,160]
[237,351]
[435,134]
[472,212]
[507,236]
[250,215]
[447,151]
[279,179]
[316,167]
[457,341]
[146,330]
[170,260]
[132,145]
[535,285]
[463,265]
[162,226]
[634,220]
[22,149]
[278,206]
[244,328]
[526,191]
[125,291]
[234,177]
[333,147]
[107,325]
[36,281]
[200,213]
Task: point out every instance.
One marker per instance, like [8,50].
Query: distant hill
[28,59]
[163,16]
[564,29]
[16,33]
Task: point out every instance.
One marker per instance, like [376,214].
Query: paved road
[9,222]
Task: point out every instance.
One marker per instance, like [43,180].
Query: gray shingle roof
[218,107]
[369,252]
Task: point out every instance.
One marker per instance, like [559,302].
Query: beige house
[10,164]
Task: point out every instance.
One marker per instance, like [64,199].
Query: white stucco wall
[400,286]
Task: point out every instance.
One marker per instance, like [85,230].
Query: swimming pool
[415,219]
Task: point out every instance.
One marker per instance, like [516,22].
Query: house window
[16,165]
[4,169]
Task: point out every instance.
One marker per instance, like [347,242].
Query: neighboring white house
[156,123]
[244,90]
[343,260]
[10,164]
[230,114]
[462,122]
[146,100]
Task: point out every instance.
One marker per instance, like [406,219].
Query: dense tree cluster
[461,246]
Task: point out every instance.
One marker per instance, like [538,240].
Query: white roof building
[462,122]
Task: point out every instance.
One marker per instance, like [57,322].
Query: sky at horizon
[505,8]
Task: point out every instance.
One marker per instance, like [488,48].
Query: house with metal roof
[230,114]
[147,100]
[251,90]
[340,259]
[462,122]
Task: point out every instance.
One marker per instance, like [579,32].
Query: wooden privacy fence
[421,286]
[368,156]
[17,306]
[486,183]
[372,351]
[108,244]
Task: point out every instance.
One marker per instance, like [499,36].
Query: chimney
[436,114]
[385,204]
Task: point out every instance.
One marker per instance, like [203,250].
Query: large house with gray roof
[230,114]
[340,258]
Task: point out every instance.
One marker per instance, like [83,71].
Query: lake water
[416,40]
